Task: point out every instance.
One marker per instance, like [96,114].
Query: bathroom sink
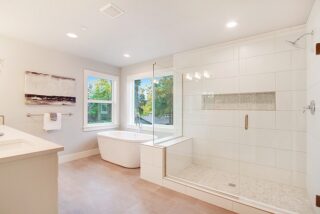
[17,146]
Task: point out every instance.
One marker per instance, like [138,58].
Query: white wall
[274,146]
[19,57]
[313,85]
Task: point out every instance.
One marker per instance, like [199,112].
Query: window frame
[114,102]
[130,101]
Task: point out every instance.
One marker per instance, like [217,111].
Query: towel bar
[35,115]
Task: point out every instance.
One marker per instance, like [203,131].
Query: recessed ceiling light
[231,24]
[72,35]
[126,55]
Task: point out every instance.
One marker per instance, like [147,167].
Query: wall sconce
[198,75]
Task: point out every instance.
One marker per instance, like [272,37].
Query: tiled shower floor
[268,192]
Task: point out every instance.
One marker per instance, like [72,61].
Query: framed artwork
[46,89]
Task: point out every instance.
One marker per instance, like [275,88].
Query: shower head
[294,43]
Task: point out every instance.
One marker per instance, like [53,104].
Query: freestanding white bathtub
[122,147]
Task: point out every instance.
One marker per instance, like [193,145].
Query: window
[100,101]
[143,100]
[163,100]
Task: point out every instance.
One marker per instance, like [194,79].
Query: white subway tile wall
[313,88]
[151,161]
[274,146]
[179,156]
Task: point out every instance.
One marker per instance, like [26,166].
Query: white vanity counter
[28,173]
[15,145]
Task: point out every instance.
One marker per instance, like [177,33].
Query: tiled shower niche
[262,101]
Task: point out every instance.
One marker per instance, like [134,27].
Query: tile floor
[275,194]
[93,186]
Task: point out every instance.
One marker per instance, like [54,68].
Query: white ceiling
[148,29]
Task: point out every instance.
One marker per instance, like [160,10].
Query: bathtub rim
[102,135]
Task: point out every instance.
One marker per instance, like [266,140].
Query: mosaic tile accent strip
[262,101]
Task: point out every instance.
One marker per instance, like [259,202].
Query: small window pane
[99,113]
[164,100]
[143,101]
[99,89]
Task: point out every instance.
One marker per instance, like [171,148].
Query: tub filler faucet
[1,124]
[138,122]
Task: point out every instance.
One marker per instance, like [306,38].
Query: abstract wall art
[46,89]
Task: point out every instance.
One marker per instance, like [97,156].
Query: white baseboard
[78,155]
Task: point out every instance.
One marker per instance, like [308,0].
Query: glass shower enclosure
[167,103]
[231,145]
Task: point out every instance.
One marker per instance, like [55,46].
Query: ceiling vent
[111,10]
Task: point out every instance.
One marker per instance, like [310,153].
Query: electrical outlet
[317,200]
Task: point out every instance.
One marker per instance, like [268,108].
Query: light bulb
[197,75]
[206,74]
[188,77]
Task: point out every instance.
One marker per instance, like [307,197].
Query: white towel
[49,125]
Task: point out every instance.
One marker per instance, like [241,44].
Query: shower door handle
[246,122]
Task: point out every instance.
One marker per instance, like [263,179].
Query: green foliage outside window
[163,100]
[99,89]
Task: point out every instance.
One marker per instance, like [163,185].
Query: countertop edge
[31,154]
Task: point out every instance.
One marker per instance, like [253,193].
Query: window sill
[97,128]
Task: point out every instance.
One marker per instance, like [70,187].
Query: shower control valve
[311,107]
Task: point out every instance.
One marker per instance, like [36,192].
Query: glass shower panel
[167,104]
[211,120]
[243,126]
[243,144]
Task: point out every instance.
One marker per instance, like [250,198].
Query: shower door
[242,119]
